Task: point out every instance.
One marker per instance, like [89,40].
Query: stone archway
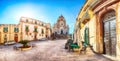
[104,16]
[100,27]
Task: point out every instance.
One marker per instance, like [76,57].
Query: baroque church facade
[60,29]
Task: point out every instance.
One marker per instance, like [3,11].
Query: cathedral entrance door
[61,31]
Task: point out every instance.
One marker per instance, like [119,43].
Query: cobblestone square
[46,51]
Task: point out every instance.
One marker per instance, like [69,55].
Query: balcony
[85,18]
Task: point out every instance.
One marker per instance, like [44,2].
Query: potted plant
[25,44]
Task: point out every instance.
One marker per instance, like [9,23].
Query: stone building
[60,28]
[98,24]
[9,32]
[27,29]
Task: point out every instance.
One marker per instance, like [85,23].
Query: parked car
[43,39]
[9,43]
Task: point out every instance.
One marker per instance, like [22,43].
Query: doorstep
[111,57]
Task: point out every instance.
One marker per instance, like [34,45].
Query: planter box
[24,49]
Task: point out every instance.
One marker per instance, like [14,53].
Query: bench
[73,46]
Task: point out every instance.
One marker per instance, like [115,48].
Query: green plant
[24,42]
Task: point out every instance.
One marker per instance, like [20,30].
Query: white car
[9,42]
[43,39]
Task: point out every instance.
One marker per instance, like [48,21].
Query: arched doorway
[35,36]
[61,31]
[16,37]
[5,38]
[55,33]
[109,33]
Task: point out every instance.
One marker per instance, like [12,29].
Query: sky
[44,10]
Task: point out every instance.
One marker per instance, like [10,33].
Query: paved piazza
[46,51]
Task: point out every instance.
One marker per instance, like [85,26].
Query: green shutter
[26,29]
[17,29]
[5,29]
[86,36]
[35,29]
[42,31]
[14,29]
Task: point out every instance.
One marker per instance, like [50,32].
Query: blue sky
[44,10]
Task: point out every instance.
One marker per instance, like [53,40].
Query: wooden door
[113,37]
[0,37]
[35,36]
[16,38]
[110,37]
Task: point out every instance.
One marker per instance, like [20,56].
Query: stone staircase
[61,36]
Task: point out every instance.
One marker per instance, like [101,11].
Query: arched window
[35,22]
[26,20]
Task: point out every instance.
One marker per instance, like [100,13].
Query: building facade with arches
[98,24]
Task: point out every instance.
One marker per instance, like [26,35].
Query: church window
[26,20]
[42,24]
[35,22]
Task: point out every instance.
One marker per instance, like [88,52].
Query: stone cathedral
[60,29]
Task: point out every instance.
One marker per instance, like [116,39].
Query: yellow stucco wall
[10,34]
[118,30]
[22,34]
